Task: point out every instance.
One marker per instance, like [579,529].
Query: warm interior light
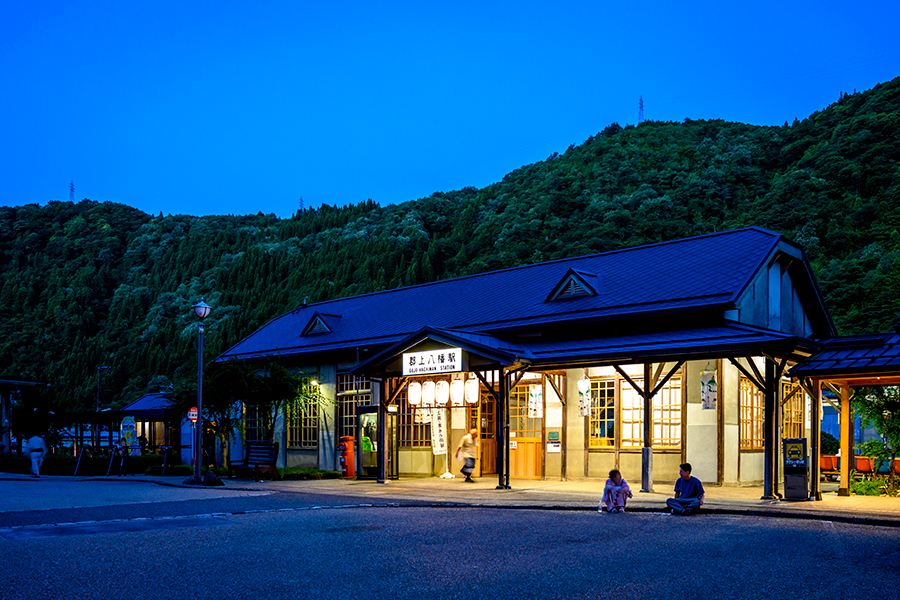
[457,392]
[442,392]
[472,389]
[414,393]
[428,393]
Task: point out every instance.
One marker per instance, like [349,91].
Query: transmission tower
[641,109]
[71,191]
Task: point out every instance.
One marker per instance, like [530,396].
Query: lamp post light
[201,309]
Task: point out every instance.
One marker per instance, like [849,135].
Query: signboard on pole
[438,432]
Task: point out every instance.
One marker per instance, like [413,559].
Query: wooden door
[483,417]
[526,429]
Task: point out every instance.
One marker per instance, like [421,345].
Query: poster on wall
[535,401]
[439,432]
[709,390]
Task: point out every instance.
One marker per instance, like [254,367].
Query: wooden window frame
[303,424]
[351,392]
[411,434]
[596,421]
[793,411]
[752,416]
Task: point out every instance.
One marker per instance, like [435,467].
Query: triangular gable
[574,284]
[318,324]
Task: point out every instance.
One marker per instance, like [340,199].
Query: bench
[259,456]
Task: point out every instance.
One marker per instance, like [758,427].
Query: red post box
[348,459]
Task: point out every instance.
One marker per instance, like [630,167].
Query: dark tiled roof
[704,271]
[148,402]
[857,355]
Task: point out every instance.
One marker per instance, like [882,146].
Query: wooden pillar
[846,440]
[503,423]
[382,434]
[647,450]
[769,440]
[815,423]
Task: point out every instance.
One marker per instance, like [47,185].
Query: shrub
[830,444]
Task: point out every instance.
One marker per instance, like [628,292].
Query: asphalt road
[294,545]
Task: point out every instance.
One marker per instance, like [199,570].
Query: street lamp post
[96,427]
[201,309]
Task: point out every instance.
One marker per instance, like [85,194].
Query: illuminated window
[602,426]
[666,406]
[793,400]
[415,423]
[303,423]
[667,415]
[524,423]
[351,392]
[752,417]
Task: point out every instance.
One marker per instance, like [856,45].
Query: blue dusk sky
[238,107]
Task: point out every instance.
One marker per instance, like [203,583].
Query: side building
[637,359]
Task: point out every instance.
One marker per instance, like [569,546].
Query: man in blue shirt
[688,493]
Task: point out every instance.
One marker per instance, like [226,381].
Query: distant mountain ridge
[84,284]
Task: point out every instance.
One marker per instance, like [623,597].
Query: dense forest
[87,284]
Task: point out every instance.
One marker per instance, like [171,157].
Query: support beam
[382,426]
[503,424]
[815,422]
[757,382]
[647,450]
[846,440]
[769,433]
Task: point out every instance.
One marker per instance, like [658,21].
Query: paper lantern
[427,393]
[442,392]
[414,393]
[457,392]
[584,385]
[472,389]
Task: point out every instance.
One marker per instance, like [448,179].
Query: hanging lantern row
[428,393]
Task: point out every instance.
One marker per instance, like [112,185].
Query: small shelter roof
[862,358]
[149,406]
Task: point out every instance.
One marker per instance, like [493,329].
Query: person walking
[466,452]
[689,492]
[36,449]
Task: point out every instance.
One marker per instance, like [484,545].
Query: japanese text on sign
[446,360]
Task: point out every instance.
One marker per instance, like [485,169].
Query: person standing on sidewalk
[36,449]
[466,451]
[689,493]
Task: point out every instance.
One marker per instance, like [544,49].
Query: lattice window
[631,415]
[254,423]
[351,392]
[522,423]
[667,415]
[303,423]
[752,416]
[602,425]
[792,423]
[414,424]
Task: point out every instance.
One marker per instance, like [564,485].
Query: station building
[637,359]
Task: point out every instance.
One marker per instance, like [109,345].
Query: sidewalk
[547,495]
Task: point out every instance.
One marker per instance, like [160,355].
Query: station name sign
[430,362]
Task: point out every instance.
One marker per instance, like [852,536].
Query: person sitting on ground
[689,493]
[616,492]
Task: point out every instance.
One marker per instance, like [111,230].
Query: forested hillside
[92,283]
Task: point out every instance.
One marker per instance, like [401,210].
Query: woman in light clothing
[616,492]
